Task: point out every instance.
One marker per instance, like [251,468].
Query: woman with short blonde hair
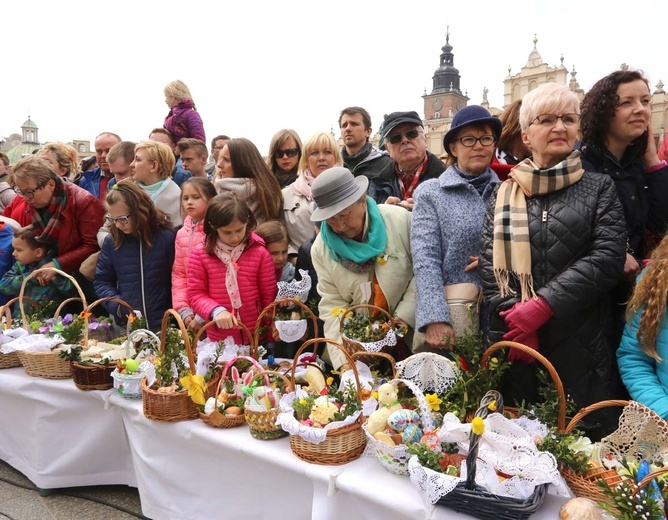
[63,157]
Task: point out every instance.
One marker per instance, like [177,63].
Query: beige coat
[340,288]
[297,217]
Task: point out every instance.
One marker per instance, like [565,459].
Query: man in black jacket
[359,155]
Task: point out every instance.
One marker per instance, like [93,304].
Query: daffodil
[196,388]
[302,401]
[337,311]
[374,394]
[434,402]
[478,426]
[382,260]
[492,406]
[330,380]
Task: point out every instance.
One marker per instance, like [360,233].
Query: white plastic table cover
[60,436]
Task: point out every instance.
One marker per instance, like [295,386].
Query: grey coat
[445,232]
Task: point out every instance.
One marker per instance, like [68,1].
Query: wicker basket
[175,406]
[263,424]
[343,444]
[46,364]
[220,420]
[11,360]
[370,357]
[96,376]
[353,346]
[269,313]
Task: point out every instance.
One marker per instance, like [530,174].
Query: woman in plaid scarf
[553,247]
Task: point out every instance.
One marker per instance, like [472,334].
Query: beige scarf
[511,249]
[229,256]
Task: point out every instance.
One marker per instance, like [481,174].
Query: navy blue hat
[468,115]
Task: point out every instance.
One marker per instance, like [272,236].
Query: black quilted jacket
[578,243]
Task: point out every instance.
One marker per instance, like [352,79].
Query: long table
[59,436]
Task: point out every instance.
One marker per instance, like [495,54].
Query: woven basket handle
[649,478]
[7,311]
[382,355]
[241,326]
[88,309]
[425,414]
[390,319]
[184,334]
[65,302]
[268,373]
[484,361]
[34,274]
[315,342]
[592,408]
[149,333]
[270,310]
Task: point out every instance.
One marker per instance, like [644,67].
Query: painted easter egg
[412,433]
[400,419]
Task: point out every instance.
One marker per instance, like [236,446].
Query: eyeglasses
[547,120]
[397,138]
[29,194]
[469,141]
[118,220]
[290,152]
[219,147]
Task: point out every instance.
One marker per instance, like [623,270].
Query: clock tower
[446,98]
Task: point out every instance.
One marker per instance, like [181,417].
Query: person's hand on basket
[515,355]
[225,320]
[526,317]
[192,323]
[45,277]
[440,336]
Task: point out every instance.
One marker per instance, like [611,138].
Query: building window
[82,148]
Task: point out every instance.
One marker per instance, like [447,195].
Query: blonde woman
[63,158]
[320,153]
[183,119]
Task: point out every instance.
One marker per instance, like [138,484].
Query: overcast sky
[256,67]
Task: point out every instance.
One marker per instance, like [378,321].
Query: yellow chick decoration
[322,412]
[388,402]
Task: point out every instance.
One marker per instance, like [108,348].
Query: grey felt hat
[334,190]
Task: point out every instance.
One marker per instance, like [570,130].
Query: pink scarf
[229,256]
[302,186]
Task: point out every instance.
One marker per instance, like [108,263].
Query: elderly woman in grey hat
[360,246]
[446,228]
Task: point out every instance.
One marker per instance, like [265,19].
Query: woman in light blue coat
[447,222]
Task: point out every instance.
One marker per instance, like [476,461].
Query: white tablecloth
[60,436]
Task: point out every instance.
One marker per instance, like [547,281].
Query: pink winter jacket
[257,286]
[188,237]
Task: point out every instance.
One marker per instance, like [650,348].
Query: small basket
[217,419]
[395,458]
[468,497]
[46,364]
[263,424]
[352,345]
[176,406]
[129,385]
[343,444]
[96,376]
[269,312]
[11,360]
[212,385]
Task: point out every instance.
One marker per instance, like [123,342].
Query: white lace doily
[295,288]
[389,340]
[430,372]
[287,420]
[533,427]
[32,343]
[291,330]
[129,385]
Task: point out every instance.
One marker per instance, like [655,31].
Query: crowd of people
[532,227]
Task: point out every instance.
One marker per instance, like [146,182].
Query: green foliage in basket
[73,354]
[296,313]
[546,410]
[347,398]
[624,505]
[169,358]
[557,444]
[360,326]
[302,406]
[70,328]
[432,459]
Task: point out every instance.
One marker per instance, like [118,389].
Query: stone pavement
[20,500]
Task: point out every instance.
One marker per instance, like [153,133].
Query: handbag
[464,305]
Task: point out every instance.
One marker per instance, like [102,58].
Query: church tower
[446,97]
[30,132]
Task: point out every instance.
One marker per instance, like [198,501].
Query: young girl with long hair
[136,259]
[231,276]
[244,173]
[195,197]
[183,119]
[644,347]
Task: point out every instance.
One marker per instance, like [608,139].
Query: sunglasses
[118,220]
[397,138]
[290,152]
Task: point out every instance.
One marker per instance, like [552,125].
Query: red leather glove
[526,317]
[516,355]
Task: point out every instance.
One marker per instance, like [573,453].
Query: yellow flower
[302,401]
[337,311]
[196,388]
[492,406]
[382,260]
[330,380]
[374,394]
[478,426]
[433,401]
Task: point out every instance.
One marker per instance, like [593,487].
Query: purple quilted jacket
[184,121]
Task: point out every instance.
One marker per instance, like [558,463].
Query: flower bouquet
[226,409]
[370,329]
[325,428]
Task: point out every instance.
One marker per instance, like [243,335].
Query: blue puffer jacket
[142,277]
[645,378]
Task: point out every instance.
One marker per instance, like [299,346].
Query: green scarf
[346,251]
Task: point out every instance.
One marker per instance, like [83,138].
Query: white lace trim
[296,288]
[32,343]
[430,372]
[291,330]
[389,340]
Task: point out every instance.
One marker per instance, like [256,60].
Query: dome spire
[446,77]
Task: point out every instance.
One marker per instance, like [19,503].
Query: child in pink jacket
[231,276]
[195,196]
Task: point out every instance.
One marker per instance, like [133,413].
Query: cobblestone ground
[20,500]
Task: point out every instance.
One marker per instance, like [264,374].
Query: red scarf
[409,181]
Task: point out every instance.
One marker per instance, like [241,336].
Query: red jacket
[19,210]
[502,170]
[207,290]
